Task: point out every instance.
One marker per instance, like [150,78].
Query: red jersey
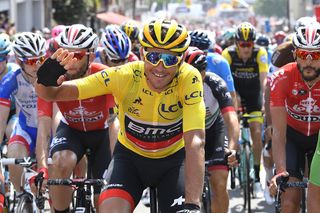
[83,115]
[302,102]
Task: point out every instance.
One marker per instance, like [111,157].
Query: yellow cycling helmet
[165,34]
[245,32]
[131,29]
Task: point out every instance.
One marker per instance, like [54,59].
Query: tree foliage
[269,8]
[69,12]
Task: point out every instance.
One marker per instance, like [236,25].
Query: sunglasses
[168,60]
[245,44]
[117,61]
[33,61]
[303,54]
[79,55]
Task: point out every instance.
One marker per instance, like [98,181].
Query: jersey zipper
[82,117]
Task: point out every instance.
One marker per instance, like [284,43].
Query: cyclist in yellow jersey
[249,69]
[162,120]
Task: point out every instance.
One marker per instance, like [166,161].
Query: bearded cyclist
[294,102]
[84,124]
[161,114]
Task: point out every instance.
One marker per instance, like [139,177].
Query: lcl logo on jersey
[106,78]
[193,98]
[170,112]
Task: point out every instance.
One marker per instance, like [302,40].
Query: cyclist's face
[245,49]
[30,67]
[309,69]
[112,63]
[309,66]
[79,68]
[158,76]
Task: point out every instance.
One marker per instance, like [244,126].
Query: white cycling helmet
[78,36]
[116,43]
[29,44]
[307,37]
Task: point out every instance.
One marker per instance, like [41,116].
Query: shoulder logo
[263,59]
[138,101]
[137,75]
[195,79]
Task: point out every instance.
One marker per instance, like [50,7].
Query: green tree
[69,12]
[269,8]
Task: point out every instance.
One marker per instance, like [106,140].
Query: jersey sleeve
[192,100]
[262,60]
[226,55]
[108,81]
[45,108]
[8,86]
[222,68]
[220,92]
[278,88]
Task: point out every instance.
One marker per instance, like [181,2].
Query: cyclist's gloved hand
[49,72]
[232,157]
[42,174]
[280,177]
[190,208]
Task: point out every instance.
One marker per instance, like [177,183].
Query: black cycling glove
[49,72]
[190,208]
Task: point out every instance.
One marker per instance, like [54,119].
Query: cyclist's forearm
[43,140]
[267,105]
[114,127]
[194,166]
[279,152]
[279,122]
[4,114]
[65,92]
[234,100]
[232,123]
[263,81]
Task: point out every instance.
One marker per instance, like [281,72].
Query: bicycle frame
[246,168]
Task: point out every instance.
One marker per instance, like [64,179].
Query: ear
[203,74]
[141,53]
[92,56]
[294,54]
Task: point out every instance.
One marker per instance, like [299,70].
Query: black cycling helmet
[263,40]
[200,39]
[245,32]
[196,58]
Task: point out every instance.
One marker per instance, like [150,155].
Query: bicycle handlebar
[25,162]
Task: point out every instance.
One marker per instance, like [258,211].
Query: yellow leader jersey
[151,123]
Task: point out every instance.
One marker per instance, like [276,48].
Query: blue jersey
[270,52]
[10,67]
[219,65]
[14,84]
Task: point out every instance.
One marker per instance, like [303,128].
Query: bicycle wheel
[25,204]
[206,196]
[249,187]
